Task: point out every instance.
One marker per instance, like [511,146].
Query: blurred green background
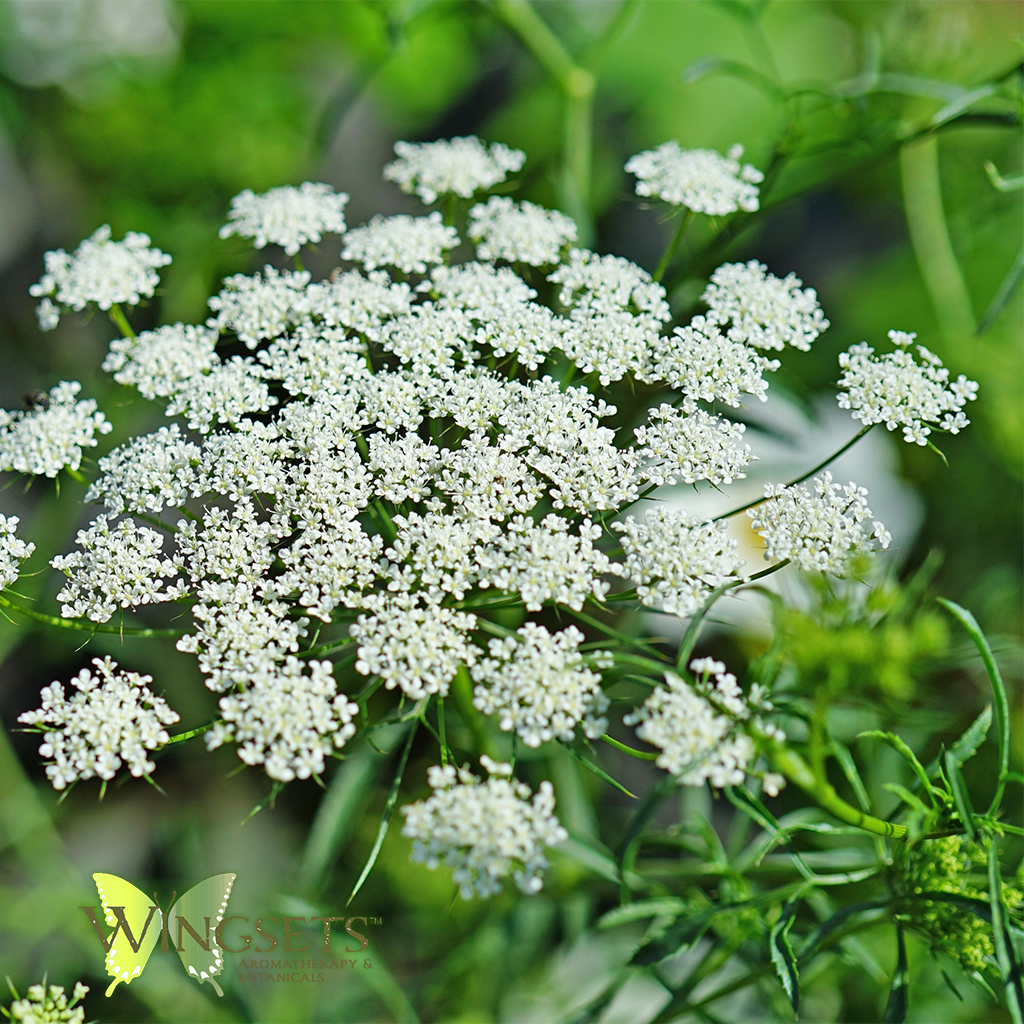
[150,114]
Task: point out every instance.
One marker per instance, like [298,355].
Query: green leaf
[973,737]
[1006,955]
[970,624]
[907,754]
[911,799]
[1003,293]
[389,809]
[642,910]
[782,953]
[845,758]
[896,1006]
[961,798]
[676,937]
[599,772]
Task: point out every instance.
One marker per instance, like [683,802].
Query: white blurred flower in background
[65,42]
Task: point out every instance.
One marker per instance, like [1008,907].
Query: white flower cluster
[897,390]
[418,650]
[119,566]
[763,310]
[385,462]
[113,717]
[409,244]
[100,271]
[461,166]
[13,550]
[51,435]
[541,686]
[700,179]
[696,727]
[519,232]
[676,560]
[49,1005]
[287,216]
[686,445]
[824,529]
[290,723]
[484,831]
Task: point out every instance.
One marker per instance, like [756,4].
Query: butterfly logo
[131,914]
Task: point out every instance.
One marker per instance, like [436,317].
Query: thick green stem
[929,235]
[116,314]
[673,246]
[86,627]
[796,769]
[800,479]
[578,86]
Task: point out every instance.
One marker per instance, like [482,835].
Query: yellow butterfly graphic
[131,914]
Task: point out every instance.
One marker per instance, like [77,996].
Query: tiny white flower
[50,436]
[111,718]
[822,529]
[519,232]
[287,216]
[700,179]
[410,244]
[897,390]
[484,831]
[13,550]
[100,271]
[461,166]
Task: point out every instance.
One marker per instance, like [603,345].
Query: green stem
[87,627]
[328,648]
[578,86]
[441,731]
[629,750]
[800,479]
[77,475]
[929,236]
[116,314]
[182,736]
[673,246]
[796,769]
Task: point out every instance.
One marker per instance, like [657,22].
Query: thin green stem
[77,475]
[673,246]
[327,648]
[441,731]
[85,627]
[182,736]
[462,690]
[629,750]
[800,479]
[120,321]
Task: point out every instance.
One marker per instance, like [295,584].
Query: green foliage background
[257,94]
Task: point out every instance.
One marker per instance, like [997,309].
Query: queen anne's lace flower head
[484,831]
[49,1005]
[289,723]
[519,232]
[541,686]
[287,216]
[700,179]
[100,271]
[52,434]
[763,310]
[159,362]
[699,742]
[897,390]
[410,244]
[112,717]
[676,560]
[13,550]
[460,165]
[821,529]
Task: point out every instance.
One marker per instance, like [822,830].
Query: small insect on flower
[36,400]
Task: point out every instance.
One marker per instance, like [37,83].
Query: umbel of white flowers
[388,449]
